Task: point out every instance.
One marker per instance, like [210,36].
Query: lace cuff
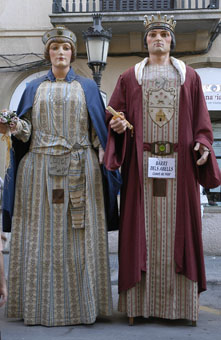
[23,129]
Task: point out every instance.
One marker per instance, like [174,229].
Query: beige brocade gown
[59,269]
[161,293]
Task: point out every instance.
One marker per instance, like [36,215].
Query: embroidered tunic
[161,292]
[59,270]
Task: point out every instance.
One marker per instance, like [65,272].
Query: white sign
[211,84]
[212,95]
[59,165]
[161,167]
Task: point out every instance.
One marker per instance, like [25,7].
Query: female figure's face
[60,54]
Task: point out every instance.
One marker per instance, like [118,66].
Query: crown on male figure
[159,22]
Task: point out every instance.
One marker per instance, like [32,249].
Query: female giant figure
[59,270]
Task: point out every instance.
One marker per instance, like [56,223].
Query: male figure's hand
[204,152]
[118,125]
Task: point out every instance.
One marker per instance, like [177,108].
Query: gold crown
[159,21]
[59,32]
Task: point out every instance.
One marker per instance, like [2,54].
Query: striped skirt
[58,274]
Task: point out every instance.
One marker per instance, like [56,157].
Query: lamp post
[97,44]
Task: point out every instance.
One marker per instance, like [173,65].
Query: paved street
[116,327]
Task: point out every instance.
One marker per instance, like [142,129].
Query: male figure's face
[159,41]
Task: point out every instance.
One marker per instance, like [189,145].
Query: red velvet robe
[127,151]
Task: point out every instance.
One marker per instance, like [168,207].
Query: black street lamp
[97,44]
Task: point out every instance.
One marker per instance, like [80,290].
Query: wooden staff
[118,115]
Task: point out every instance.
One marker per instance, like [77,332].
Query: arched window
[15,99]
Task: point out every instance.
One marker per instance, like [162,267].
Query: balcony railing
[82,6]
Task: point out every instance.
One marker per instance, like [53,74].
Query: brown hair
[60,40]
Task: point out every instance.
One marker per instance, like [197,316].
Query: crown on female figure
[159,21]
[59,32]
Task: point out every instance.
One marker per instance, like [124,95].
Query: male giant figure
[161,266]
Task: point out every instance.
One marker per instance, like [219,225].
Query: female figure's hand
[13,125]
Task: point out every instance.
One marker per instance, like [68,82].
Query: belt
[161,148]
